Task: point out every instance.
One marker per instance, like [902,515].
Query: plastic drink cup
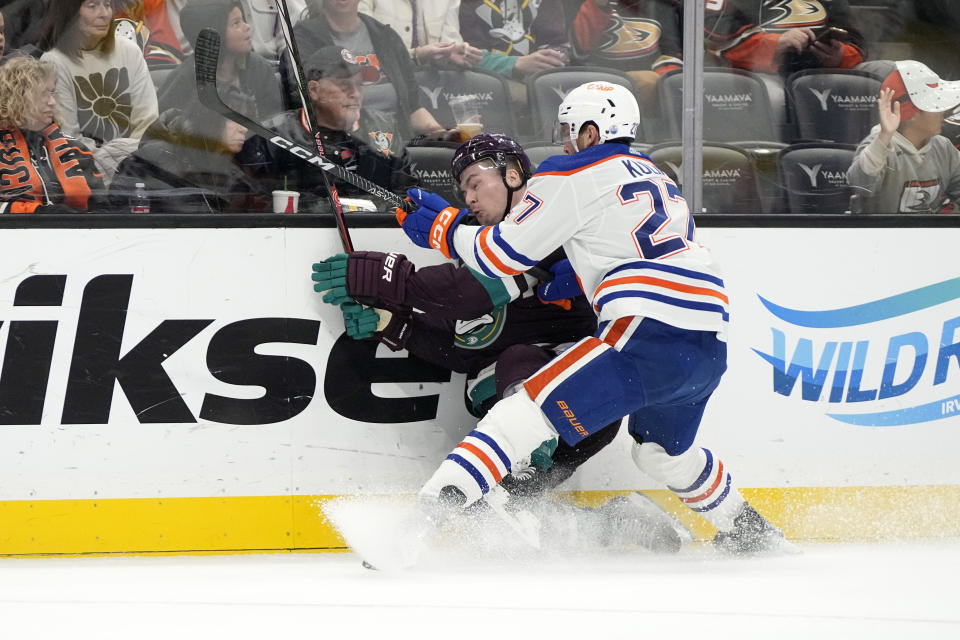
[286,201]
[466,113]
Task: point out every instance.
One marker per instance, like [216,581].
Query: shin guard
[508,433]
[696,477]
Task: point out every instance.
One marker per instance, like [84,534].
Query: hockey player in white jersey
[659,350]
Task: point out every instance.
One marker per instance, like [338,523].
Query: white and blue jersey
[658,353]
[625,228]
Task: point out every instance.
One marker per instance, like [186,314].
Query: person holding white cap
[904,165]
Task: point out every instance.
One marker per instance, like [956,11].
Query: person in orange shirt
[163,46]
[774,36]
[42,170]
[641,37]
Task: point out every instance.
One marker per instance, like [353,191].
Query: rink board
[185,390]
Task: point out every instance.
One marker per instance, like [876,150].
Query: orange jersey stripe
[667,284]
[488,253]
[616,331]
[484,458]
[537,383]
[706,494]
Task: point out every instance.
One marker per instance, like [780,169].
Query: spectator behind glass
[264,20]
[776,36]
[44,172]
[104,91]
[173,15]
[162,48]
[240,70]
[432,35]
[641,37]
[905,165]
[23,21]
[396,95]
[191,161]
[334,85]
[517,38]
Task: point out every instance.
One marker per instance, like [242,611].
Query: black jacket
[285,170]
[182,175]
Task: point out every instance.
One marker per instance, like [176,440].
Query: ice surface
[870,591]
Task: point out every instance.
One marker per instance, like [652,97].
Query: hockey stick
[294,53]
[207,55]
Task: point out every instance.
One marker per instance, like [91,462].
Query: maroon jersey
[464,320]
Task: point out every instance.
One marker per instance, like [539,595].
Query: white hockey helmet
[612,107]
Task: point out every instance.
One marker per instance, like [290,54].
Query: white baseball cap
[918,88]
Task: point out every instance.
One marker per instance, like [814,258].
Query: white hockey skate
[753,534]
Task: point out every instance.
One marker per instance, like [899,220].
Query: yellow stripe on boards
[287,523]
[165,525]
[842,514]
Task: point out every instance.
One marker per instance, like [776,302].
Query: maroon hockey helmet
[494,146]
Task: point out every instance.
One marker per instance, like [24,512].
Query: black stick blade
[207,57]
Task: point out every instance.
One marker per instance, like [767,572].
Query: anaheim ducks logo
[381,139]
[790,14]
[479,333]
[630,37]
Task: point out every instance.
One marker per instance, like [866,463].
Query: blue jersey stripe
[512,253]
[703,476]
[686,304]
[479,435]
[666,268]
[482,263]
[715,503]
[472,470]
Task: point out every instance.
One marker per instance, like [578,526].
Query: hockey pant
[516,364]
[658,375]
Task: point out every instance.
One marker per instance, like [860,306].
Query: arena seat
[814,177]
[431,166]
[491,91]
[546,90]
[834,105]
[736,106]
[729,176]
[540,152]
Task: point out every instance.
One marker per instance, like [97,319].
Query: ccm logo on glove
[438,235]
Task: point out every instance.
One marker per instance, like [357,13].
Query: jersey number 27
[662,232]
